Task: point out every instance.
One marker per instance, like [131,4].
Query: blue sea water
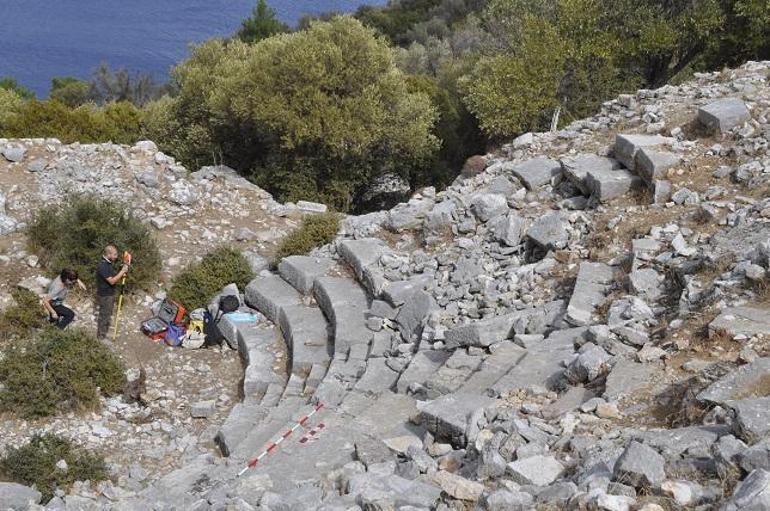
[41,39]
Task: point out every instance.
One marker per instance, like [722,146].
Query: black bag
[211,330]
[228,303]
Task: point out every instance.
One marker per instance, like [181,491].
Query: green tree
[312,115]
[69,90]
[262,24]
[11,84]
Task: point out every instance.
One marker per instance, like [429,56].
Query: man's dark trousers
[66,315]
[105,304]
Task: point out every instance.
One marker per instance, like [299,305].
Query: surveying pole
[127,264]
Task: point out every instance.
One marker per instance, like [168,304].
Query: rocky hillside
[580,321]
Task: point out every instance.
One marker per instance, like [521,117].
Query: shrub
[10,102]
[314,231]
[118,122]
[71,91]
[89,224]
[24,316]
[326,104]
[60,369]
[197,284]
[35,464]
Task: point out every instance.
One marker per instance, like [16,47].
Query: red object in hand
[127,258]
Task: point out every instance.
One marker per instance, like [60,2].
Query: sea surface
[42,39]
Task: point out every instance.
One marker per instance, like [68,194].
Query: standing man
[53,300]
[106,280]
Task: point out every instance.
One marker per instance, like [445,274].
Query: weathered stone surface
[588,365]
[447,417]
[423,365]
[752,494]
[344,303]
[506,356]
[402,492]
[504,500]
[752,418]
[746,381]
[311,207]
[748,321]
[14,154]
[510,229]
[408,215]
[576,168]
[549,232]
[203,409]
[652,164]
[724,114]
[640,466]
[536,470]
[605,185]
[377,378]
[626,147]
[661,191]
[452,374]
[625,378]
[269,293]
[590,288]
[536,172]
[17,497]
[441,217]
[305,332]
[646,283]
[413,313]
[458,487]
[362,254]
[301,271]
[487,206]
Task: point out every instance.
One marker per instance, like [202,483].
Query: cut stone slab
[344,303]
[626,147]
[661,191]
[567,402]
[243,418]
[377,378]
[672,443]
[403,493]
[412,314]
[269,293]
[626,377]
[458,487]
[536,172]
[652,164]
[590,288]
[423,365]
[640,466]
[398,292]
[203,409]
[506,356]
[311,207]
[536,470]
[543,364]
[752,418]
[362,254]
[305,331]
[301,271]
[452,374]
[576,168]
[748,321]
[447,417]
[605,185]
[17,497]
[751,380]
[549,232]
[724,115]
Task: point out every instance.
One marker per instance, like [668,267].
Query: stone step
[243,419]
[422,366]
[363,255]
[295,387]
[307,340]
[591,286]
[269,294]
[447,417]
[543,364]
[314,378]
[377,377]
[451,375]
[506,356]
[270,426]
[301,271]
[345,303]
[272,395]
[255,346]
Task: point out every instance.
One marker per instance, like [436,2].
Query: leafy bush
[71,91]
[8,83]
[315,230]
[73,235]
[262,24]
[116,122]
[197,284]
[60,369]
[315,113]
[35,464]
[10,102]
[24,316]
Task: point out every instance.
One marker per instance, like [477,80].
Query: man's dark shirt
[104,271]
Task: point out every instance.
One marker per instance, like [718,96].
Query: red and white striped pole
[273,445]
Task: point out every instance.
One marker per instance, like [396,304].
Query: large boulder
[536,172]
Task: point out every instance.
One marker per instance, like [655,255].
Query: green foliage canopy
[262,24]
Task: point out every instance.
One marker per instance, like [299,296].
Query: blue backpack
[174,335]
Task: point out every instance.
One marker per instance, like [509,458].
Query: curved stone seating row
[345,303]
[301,271]
[363,256]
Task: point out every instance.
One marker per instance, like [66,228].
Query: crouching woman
[53,300]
